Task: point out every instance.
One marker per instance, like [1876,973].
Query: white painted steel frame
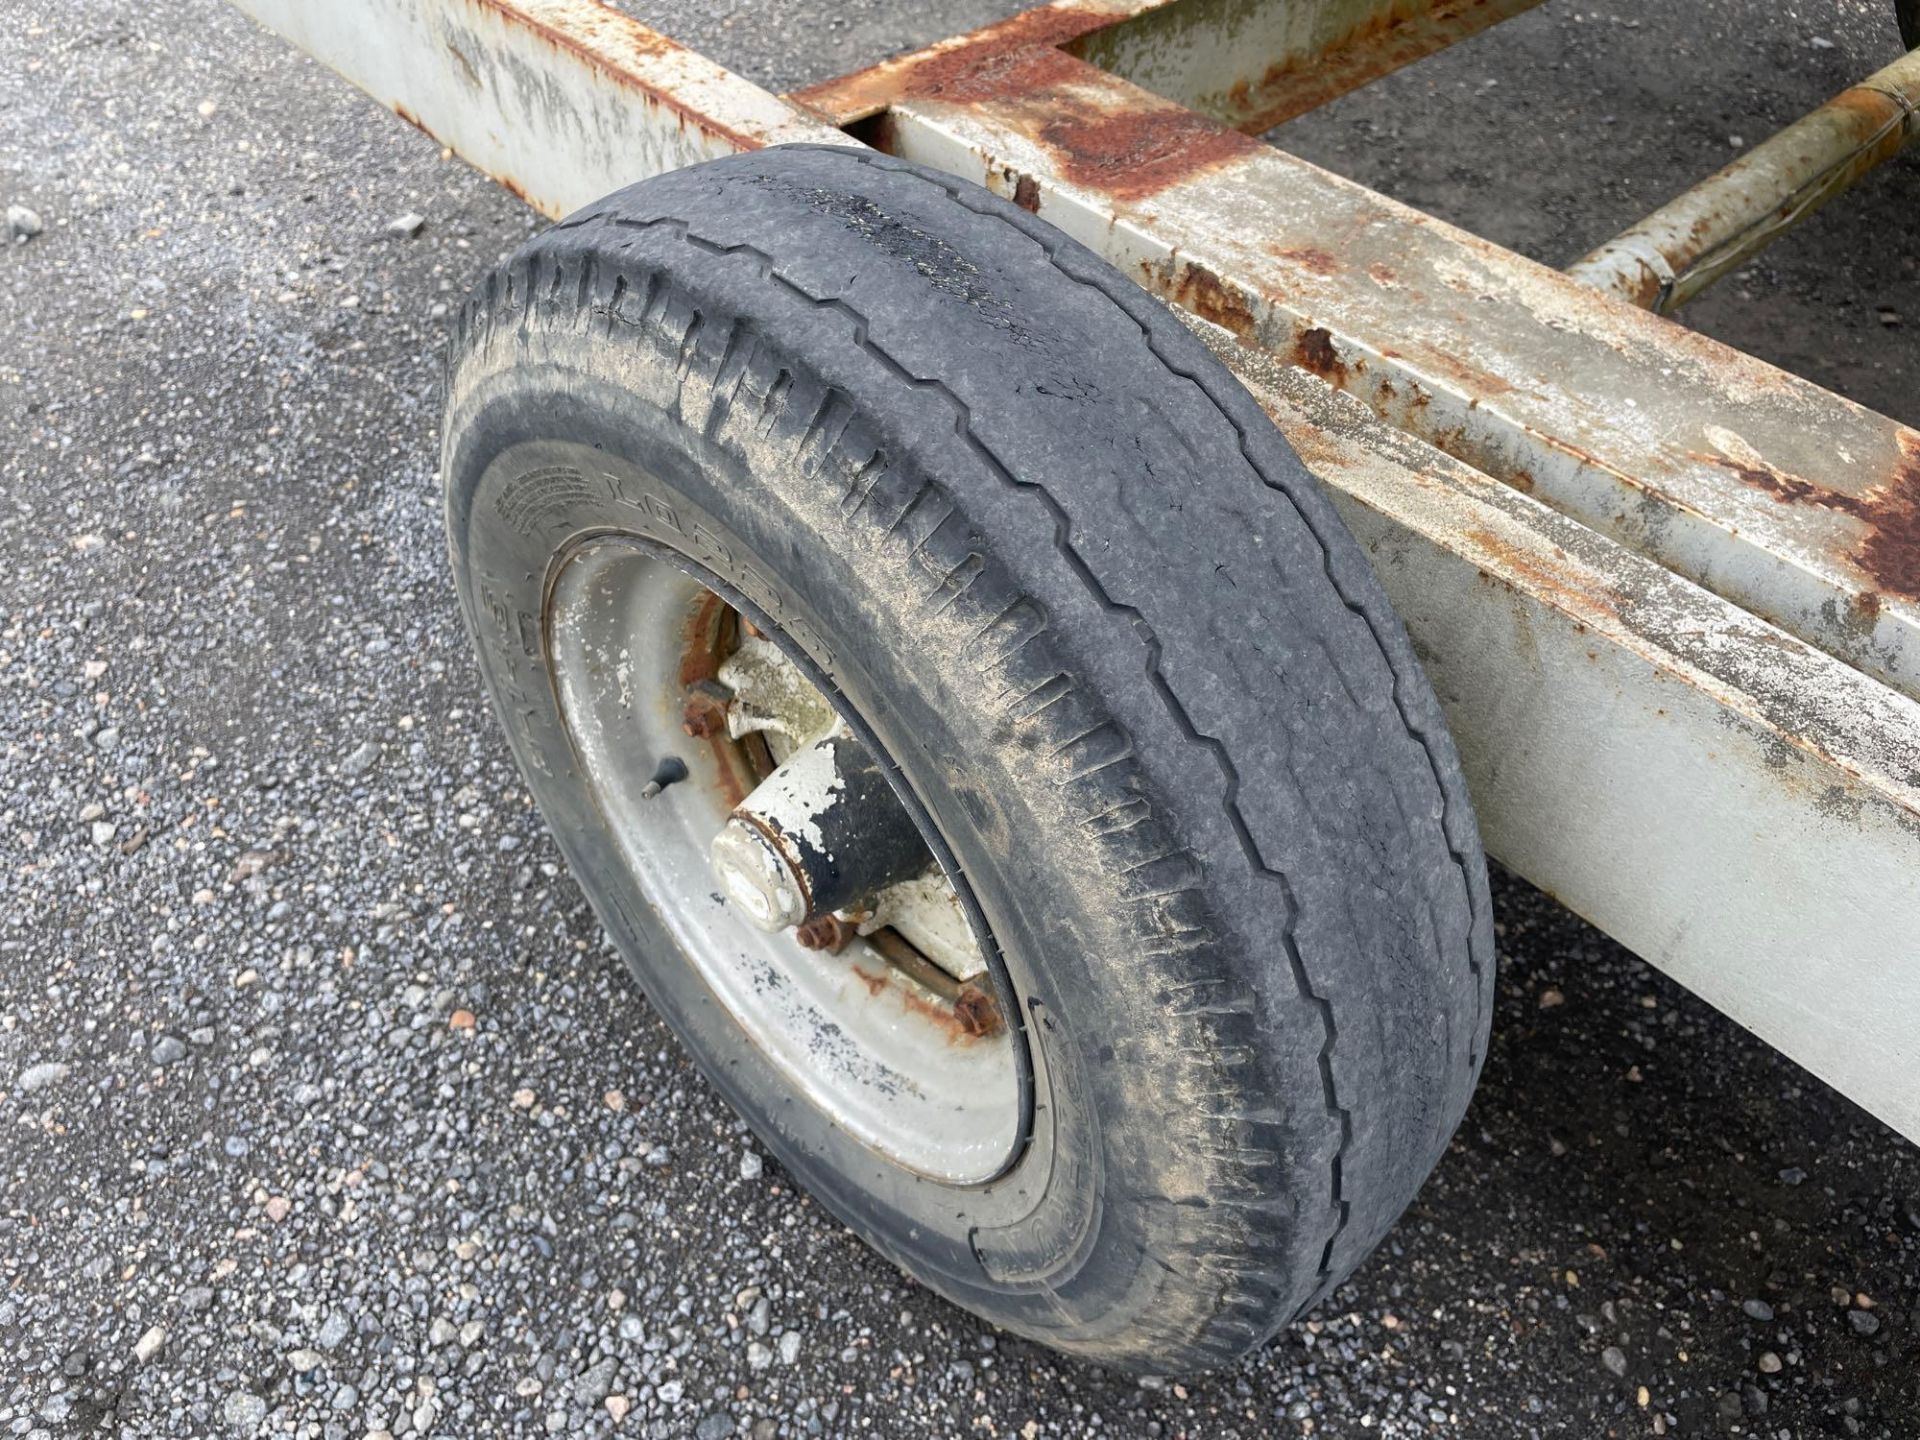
[1735,806]
[562,101]
[1675,668]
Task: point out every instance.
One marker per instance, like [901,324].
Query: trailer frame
[1668,594]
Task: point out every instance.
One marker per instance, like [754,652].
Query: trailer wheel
[981,737]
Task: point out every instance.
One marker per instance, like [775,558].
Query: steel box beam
[1254,64]
[1738,808]
[562,101]
[1250,64]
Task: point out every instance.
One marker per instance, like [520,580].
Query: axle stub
[823,832]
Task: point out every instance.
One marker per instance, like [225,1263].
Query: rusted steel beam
[1255,65]
[561,101]
[1739,808]
[1720,224]
[957,65]
[1795,504]
[1250,64]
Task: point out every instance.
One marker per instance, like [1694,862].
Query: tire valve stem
[670,770]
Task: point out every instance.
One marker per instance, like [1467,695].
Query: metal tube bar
[1724,221]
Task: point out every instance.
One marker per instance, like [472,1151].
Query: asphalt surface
[326,1110]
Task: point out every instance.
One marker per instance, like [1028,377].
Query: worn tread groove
[737,354]
[973,567]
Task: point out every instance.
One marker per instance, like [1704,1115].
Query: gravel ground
[329,1113]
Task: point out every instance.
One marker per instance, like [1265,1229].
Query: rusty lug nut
[977,1011]
[824,932]
[704,715]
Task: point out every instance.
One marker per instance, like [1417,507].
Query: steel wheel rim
[849,1032]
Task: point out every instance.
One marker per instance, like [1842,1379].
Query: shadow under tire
[1125,665]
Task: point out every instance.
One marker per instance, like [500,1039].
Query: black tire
[1127,660]
[1908,13]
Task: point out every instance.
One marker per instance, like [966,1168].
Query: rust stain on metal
[733,776]
[1133,154]
[1314,351]
[1026,194]
[1320,448]
[1544,579]
[704,715]
[971,1016]
[591,30]
[964,1013]
[505,181]
[824,932]
[1382,274]
[1479,384]
[1787,489]
[1885,122]
[992,75]
[976,1011]
[1387,40]
[622,49]
[945,1017]
[705,641]
[1124,144]
[709,635]
[1202,291]
[1888,552]
[959,69]
[977,71]
[1308,257]
[412,119]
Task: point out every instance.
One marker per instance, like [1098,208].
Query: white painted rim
[846,1031]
